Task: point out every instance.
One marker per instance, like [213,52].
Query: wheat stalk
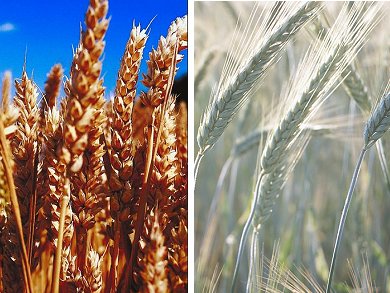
[84,94]
[94,181]
[7,165]
[356,88]
[234,88]
[161,71]
[376,126]
[315,76]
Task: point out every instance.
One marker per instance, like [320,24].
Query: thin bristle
[316,75]
[236,84]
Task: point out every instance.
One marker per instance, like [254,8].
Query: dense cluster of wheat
[93,193]
[289,154]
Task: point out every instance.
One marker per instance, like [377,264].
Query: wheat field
[93,188]
[292,179]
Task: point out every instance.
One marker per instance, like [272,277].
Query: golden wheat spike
[153,267]
[178,255]
[24,148]
[161,60]
[121,139]
[52,86]
[85,95]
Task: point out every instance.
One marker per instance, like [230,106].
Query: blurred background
[304,219]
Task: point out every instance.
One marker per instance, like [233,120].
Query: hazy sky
[47,30]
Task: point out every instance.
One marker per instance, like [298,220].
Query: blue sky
[47,30]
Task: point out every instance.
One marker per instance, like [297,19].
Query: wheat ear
[357,90]
[379,121]
[25,150]
[93,272]
[154,265]
[8,117]
[316,75]
[178,254]
[332,56]
[122,139]
[233,91]
[84,95]
[52,87]
[161,72]
[376,126]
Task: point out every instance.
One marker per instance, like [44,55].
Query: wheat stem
[15,210]
[245,231]
[198,159]
[252,260]
[33,206]
[152,151]
[344,213]
[218,189]
[383,162]
[57,260]
[356,89]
